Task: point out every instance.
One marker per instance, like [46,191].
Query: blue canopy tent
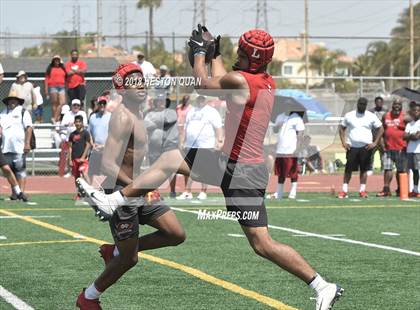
[315,110]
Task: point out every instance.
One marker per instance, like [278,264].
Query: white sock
[293,189]
[16,189]
[92,293]
[116,252]
[118,198]
[362,187]
[280,190]
[318,283]
[416,188]
[345,187]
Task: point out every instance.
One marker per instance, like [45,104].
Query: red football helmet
[121,73]
[259,47]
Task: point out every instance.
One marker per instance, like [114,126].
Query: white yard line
[13,300]
[300,232]
[236,235]
[8,217]
[388,233]
[332,235]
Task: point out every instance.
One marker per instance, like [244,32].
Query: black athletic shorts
[3,161]
[125,222]
[243,185]
[358,158]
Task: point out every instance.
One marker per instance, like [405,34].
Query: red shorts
[79,167]
[286,167]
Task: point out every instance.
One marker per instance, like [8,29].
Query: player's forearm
[217,67]
[28,134]
[86,150]
[342,132]
[219,135]
[378,135]
[69,154]
[200,70]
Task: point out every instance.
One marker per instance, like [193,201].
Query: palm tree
[151,5]
[363,65]
[324,61]
[382,57]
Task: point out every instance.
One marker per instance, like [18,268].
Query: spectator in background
[291,129]
[412,136]
[60,140]
[39,111]
[160,122]
[181,112]
[203,130]
[16,126]
[1,73]
[146,66]
[75,70]
[93,107]
[360,144]
[394,145]
[25,90]
[98,129]
[164,79]
[379,110]
[68,117]
[311,157]
[9,175]
[54,85]
[79,146]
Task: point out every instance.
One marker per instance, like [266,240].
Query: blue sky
[232,17]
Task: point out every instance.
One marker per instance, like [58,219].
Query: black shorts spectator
[79,92]
[3,161]
[358,158]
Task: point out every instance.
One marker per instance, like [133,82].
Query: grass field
[48,255]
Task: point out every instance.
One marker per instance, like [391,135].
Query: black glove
[196,41]
[216,47]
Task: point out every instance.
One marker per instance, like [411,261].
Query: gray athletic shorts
[125,222]
[399,158]
[17,163]
[413,161]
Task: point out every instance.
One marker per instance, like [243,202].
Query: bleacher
[44,159]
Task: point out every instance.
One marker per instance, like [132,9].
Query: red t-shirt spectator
[75,80]
[57,77]
[394,131]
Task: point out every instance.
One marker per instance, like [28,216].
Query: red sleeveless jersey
[246,125]
[394,131]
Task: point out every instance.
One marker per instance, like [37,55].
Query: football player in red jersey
[239,168]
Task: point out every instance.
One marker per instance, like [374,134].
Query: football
[208,40]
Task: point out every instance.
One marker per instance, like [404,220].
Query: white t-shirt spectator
[39,99]
[1,69]
[25,92]
[413,127]
[68,121]
[200,125]
[359,127]
[14,126]
[147,68]
[287,136]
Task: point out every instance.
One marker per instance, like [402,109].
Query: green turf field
[47,265]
